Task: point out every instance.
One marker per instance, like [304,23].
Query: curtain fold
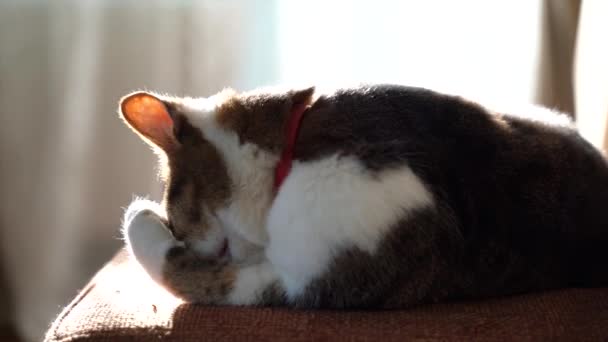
[555,77]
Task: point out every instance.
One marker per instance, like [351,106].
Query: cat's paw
[140,206]
[147,238]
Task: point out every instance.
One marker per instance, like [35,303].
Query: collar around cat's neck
[293,126]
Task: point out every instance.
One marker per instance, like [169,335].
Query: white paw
[147,238]
[139,205]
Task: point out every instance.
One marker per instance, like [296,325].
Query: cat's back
[526,190]
[387,125]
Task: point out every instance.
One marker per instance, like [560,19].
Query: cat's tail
[188,275]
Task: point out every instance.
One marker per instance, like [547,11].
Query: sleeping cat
[370,197]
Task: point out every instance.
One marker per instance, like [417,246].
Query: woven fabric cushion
[122,303]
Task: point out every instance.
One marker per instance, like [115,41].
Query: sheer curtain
[466,47]
[591,73]
[68,165]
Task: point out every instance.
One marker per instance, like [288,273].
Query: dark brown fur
[202,280]
[261,119]
[523,201]
[519,205]
[411,266]
[197,176]
[520,201]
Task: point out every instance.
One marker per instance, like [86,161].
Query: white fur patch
[331,204]
[251,172]
[212,243]
[146,237]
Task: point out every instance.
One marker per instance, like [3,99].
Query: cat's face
[211,152]
[196,179]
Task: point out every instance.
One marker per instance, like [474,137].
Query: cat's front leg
[147,237]
[187,274]
[220,281]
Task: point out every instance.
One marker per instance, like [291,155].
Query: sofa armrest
[122,303]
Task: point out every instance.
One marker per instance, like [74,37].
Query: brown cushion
[121,303]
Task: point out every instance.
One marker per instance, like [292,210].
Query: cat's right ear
[148,116]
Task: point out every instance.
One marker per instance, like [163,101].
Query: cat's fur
[397,196]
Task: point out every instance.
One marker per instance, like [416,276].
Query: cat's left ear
[148,115]
[302,96]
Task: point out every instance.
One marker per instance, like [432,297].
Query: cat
[386,196]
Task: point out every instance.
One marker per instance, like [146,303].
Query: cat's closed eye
[175,233]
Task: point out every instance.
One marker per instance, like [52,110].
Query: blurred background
[68,165]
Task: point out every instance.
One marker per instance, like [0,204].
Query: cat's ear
[149,116]
[302,96]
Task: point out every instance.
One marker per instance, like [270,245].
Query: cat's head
[217,157]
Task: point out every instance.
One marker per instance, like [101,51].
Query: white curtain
[471,48]
[68,165]
[591,73]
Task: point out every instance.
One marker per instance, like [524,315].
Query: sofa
[121,303]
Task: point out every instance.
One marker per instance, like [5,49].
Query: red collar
[293,126]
